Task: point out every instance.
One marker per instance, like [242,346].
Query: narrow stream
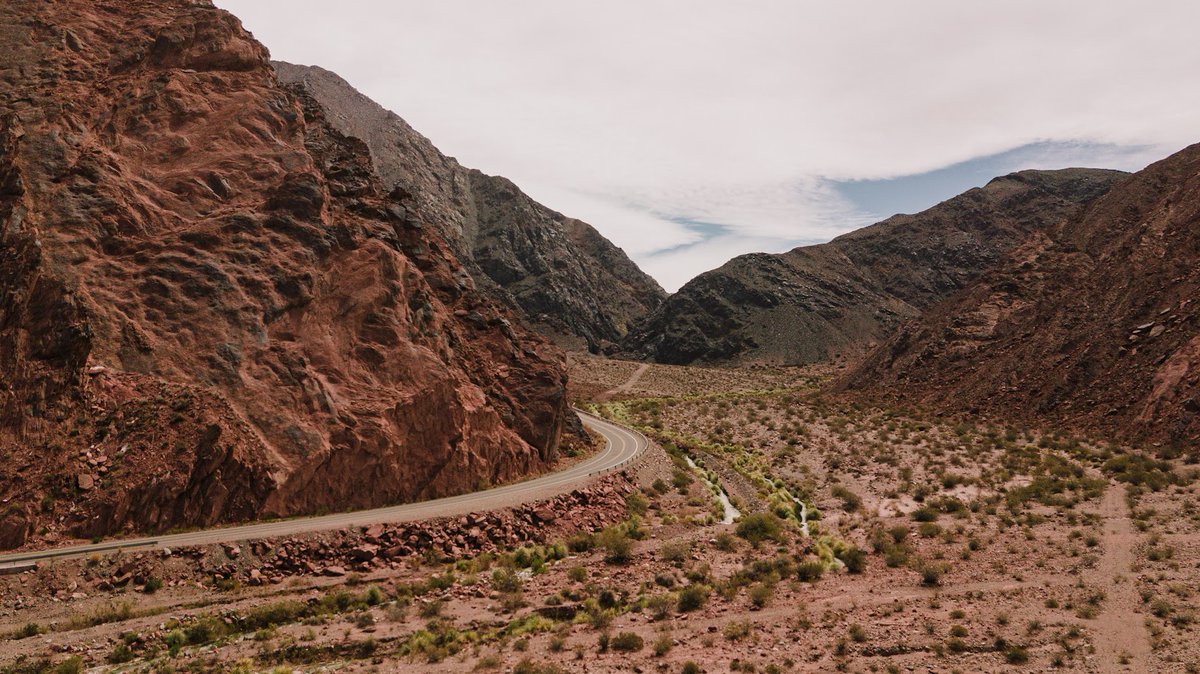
[731,513]
[803,516]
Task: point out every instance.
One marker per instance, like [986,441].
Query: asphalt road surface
[622,447]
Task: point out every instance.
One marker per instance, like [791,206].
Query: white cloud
[740,113]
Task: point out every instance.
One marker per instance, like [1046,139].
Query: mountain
[212,310]
[570,282]
[1094,322]
[819,303]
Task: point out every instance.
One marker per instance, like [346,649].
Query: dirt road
[622,447]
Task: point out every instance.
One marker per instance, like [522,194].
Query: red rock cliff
[209,311]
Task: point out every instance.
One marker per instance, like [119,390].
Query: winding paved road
[622,447]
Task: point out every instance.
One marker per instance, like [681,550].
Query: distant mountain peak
[570,282]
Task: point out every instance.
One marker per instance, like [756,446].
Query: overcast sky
[690,131]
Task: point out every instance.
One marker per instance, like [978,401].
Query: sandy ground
[983,548]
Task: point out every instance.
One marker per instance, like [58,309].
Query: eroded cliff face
[1093,323]
[571,283]
[210,309]
[835,300]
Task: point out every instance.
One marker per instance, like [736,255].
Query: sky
[691,131]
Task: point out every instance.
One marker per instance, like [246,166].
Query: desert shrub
[506,580]
[72,665]
[854,558]
[851,502]
[581,542]
[738,630]
[759,527]
[931,574]
[108,613]
[121,653]
[674,552]
[663,645]
[761,593]
[660,606]
[204,630]
[1016,655]
[175,640]
[374,596]
[527,666]
[928,529]
[636,503]
[1139,470]
[626,642]
[618,549]
[924,514]
[810,570]
[692,598]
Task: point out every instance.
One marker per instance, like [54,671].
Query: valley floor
[932,545]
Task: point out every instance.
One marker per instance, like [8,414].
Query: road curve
[622,446]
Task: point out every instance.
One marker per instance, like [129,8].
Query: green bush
[760,527]
[692,598]
[931,574]
[636,503]
[760,594]
[854,558]
[527,666]
[810,570]
[618,549]
[506,580]
[925,514]
[72,665]
[1016,655]
[120,653]
[626,642]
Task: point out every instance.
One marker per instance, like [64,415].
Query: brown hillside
[570,282]
[1095,322]
[209,308]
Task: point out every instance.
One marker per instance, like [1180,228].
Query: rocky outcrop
[570,282]
[1094,322]
[819,303]
[210,308]
[375,547]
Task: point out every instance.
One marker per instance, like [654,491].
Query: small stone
[334,571]
[86,481]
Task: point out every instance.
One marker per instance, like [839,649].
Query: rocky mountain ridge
[570,282]
[210,308]
[829,301]
[1093,323]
